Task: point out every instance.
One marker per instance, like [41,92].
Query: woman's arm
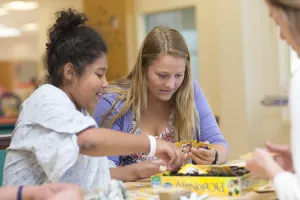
[202,156]
[137,171]
[44,192]
[10,193]
[263,165]
[126,173]
[209,128]
[222,153]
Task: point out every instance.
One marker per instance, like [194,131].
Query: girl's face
[86,90]
[165,76]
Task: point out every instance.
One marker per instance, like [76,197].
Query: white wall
[229,37]
[266,70]
[24,48]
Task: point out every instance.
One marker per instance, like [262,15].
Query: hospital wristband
[152,146]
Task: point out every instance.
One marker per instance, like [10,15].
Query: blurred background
[237,57]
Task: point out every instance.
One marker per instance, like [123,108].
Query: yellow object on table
[220,180]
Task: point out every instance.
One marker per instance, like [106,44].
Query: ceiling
[16,19]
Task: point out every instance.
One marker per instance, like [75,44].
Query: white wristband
[152,146]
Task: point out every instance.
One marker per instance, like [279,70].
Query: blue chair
[2,160]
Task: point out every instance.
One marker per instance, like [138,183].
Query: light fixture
[21,5]
[9,32]
[30,27]
[3,12]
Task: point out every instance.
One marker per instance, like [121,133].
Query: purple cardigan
[209,129]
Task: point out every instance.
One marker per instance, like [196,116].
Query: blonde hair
[133,88]
[292,10]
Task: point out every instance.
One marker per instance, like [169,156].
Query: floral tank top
[166,135]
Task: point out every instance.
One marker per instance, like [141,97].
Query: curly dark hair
[71,41]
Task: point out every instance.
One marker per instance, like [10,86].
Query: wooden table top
[145,184]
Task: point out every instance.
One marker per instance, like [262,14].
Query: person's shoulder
[199,95]
[48,97]
[111,96]
[48,91]
[114,93]
[111,99]
[51,108]
[197,88]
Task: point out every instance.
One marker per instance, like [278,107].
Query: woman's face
[281,20]
[165,76]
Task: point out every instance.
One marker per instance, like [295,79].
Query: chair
[2,160]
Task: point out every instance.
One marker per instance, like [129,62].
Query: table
[134,189]
[145,184]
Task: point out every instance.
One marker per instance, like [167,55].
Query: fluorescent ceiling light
[9,32]
[21,5]
[3,12]
[30,27]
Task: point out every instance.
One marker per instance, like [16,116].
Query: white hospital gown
[44,144]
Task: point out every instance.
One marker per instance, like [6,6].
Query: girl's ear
[69,72]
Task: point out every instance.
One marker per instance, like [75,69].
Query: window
[183,20]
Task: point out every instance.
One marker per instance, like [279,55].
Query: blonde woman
[284,170]
[160,98]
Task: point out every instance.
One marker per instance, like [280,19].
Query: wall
[230,66]
[7,76]
[238,66]
[46,18]
[266,72]
[118,36]
[25,48]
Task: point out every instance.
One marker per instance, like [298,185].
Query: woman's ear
[69,72]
